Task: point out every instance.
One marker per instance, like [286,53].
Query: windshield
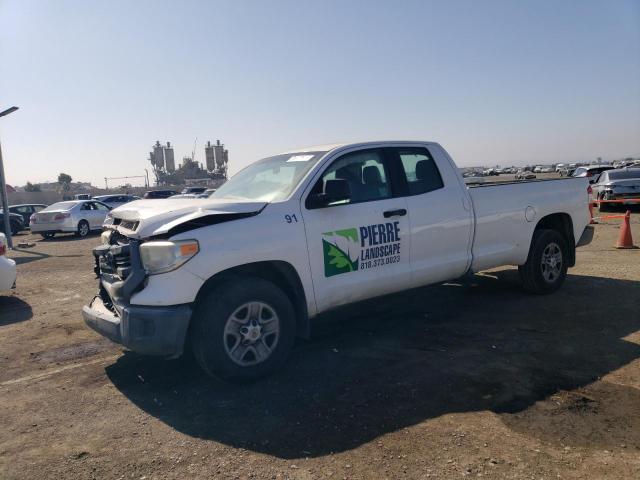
[60,206]
[269,180]
[624,174]
[579,171]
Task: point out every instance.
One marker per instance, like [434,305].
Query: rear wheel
[83,228]
[243,330]
[546,266]
[15,228]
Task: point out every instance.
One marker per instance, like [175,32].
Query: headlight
[164,256]
[105,237]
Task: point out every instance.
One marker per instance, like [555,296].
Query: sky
[495,82]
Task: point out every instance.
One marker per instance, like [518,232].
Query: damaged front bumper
[150,330]
[143,329]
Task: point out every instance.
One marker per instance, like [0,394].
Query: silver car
[617,185]
[75,216]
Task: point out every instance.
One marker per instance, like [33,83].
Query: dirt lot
[465,379]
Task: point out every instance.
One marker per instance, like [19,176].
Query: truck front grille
[113,260]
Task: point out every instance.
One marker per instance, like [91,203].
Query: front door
[358,248]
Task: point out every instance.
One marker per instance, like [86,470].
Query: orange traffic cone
[625,240]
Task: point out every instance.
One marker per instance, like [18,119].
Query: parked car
[82,196]
[116,200]
[471,180]
[194,190]
[207,193]
[617,184]
[186,195]
[159,194]
[7,267]
[73,216]
[591,171]
[16,223]
[525,175]
[26,210]
[242,275]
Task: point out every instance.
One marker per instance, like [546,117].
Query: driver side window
[365,173]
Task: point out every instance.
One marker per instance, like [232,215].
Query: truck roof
[334,146]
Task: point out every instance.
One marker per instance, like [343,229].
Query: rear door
[87,212]
[24,211]
[358,248]
[440,214]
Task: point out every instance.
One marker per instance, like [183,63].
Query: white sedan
[75,216]
[7,267]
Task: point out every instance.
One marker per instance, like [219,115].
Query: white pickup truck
[239,275]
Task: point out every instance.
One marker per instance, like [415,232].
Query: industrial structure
[212,173]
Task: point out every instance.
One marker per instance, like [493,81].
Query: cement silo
[210,156]
[158,156]
[218,150]
[169,160]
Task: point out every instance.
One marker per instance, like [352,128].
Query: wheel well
[278,272]
[561,223]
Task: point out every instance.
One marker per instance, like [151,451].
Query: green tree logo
[339,248]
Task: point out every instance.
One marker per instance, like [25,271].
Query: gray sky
[496,82]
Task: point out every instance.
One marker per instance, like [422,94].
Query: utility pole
[3,189]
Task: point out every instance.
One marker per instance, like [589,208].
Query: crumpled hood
[157,217]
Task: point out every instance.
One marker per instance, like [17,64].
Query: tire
[15,229]
[47,236]
[227,334]
[542,274]
[604,207]
[83,229]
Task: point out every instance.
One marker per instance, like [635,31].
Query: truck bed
[506,214]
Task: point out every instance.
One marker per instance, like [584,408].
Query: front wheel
[243,329]
[546,266]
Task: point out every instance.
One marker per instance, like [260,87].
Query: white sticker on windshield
[300,158]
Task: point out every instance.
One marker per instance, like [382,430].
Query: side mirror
[334,191]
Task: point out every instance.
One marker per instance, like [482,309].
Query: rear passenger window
[420,169]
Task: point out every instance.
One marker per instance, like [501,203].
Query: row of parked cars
[80,216]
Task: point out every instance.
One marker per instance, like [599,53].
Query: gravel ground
[472,378]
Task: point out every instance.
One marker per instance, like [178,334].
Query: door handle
[401,212]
